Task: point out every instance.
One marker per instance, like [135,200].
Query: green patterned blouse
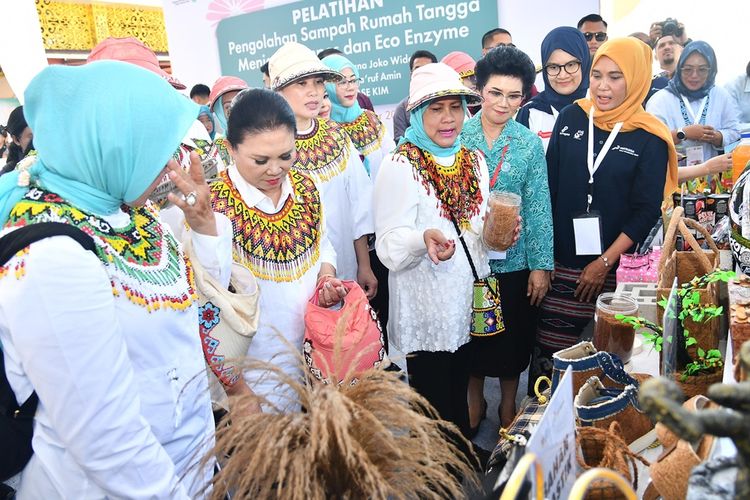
[524,172]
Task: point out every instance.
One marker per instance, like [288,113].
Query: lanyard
[500,167]
[685,105]
[594,165]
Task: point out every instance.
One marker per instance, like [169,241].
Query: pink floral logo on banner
[221,9]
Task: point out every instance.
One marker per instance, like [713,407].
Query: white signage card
[553,441]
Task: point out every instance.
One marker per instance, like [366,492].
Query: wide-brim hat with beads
[436,80]
[294,61]
[461,62]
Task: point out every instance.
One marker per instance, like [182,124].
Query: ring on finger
[191,198]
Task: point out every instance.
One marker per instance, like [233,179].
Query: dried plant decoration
[374,439]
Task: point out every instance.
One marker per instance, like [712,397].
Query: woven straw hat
[436,80]
[294,61]
[131,50]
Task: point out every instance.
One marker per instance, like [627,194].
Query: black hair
[258,110]
[264,69]
[329,51]
[642,37]
[591,18]
[507,61]
[747,69]
[491,34]
[16,125]
[419,54]
[201,90]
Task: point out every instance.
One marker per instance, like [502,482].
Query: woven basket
[606,448]
[686,265]
[698,384]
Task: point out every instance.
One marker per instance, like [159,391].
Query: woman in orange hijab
[610,164]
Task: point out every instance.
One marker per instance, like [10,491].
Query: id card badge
[694,155]
[587,228]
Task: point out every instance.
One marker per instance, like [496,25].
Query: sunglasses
[599,35]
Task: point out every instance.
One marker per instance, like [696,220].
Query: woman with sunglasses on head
[327,155]
[702,117]
[566,61]
[610,165]
[515,159]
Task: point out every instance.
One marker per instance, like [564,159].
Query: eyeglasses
[354,82]
[571,67]
[599,35]
[699,70]
[494,96]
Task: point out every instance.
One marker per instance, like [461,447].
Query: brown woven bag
[606,448]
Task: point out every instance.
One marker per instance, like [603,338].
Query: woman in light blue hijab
[205,117]
[364,127]
[108,339]
[108,152]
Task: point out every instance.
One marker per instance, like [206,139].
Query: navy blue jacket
[628,186]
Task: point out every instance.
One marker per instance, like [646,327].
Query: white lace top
[430,305]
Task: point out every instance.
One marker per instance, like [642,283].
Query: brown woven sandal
[671,471]
[667,438]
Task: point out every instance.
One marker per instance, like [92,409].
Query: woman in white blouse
[109,340]
[430,278]
[279,233]
[703,118]
[327,155]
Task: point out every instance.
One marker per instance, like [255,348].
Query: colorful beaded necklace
[323,152]
[279,247]
[366,132]
[143,260]
[457,185]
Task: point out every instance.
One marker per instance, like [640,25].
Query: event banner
[377,35]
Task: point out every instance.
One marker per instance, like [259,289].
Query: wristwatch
[681,134]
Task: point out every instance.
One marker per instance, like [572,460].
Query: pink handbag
[356,330]
[637,268]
